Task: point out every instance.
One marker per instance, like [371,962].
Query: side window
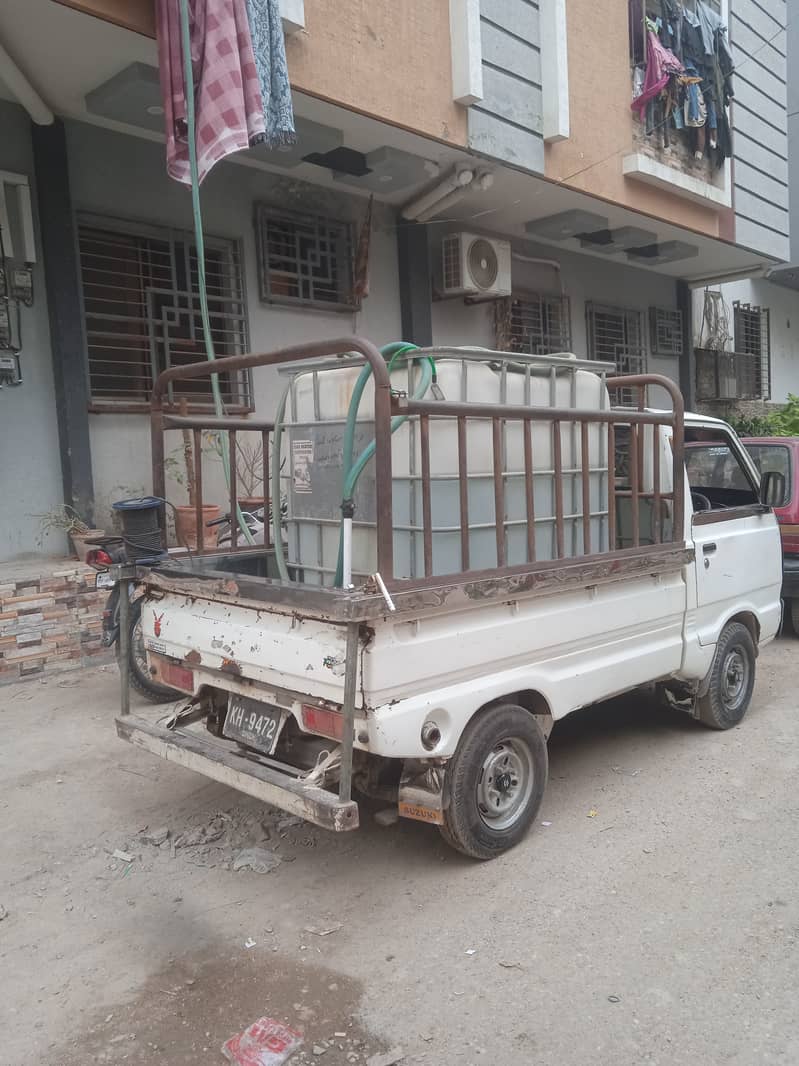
[717,477]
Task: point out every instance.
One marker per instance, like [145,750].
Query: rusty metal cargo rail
[387,404]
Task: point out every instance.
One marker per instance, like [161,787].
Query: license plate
[104,580]
[253,723]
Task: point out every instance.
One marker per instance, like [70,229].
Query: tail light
[319,720]
[98,558]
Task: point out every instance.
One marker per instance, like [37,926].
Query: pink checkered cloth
[229,113]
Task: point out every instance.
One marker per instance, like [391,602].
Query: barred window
[532,323]
[753,342]
[141,307]
[304,259]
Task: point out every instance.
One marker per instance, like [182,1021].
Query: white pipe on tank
[346,569]
[22,89]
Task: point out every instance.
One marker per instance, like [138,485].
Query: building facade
[500,130]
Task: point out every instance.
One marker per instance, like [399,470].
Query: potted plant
[66,519]
[182,471]
[250,475]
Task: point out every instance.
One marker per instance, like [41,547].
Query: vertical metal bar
[383,480]
[348,711]
[557,450]
[266,487]
[634,492]
[585,465]
[159,473]
[611,486]
[198,488]
[657,518]
[463,487]
[529,488]
[234,507]
[124,646]
[499,490]
[427,521]
[573,442]
[603,396]
[641,407]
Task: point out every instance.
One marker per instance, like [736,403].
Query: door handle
[708,549]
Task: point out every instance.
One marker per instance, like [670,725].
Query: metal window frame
[186,303]
[671,320]
[550,341]
[263,213]
[759,325]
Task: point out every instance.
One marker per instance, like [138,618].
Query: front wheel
[496,782]
[732,679]
[140,677]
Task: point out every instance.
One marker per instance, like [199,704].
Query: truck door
[736,539]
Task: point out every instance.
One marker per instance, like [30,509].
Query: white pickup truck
[517,548]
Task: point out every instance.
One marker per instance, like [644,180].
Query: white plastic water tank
[313,441]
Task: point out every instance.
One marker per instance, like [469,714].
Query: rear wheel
[140,676]
[795,616]
[732,679]
[496,782]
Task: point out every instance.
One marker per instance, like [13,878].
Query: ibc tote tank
[316,414]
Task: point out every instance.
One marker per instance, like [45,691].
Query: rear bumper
[790,577]
[223,761]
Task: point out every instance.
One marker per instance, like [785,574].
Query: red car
[781,454]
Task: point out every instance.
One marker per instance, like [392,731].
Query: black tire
[140,678]
[794,606]
[732,679]
[496,781]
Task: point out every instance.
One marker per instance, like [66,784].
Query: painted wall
[507,123]
[383,59]
[602,122]
[30,470]
[783,305]
[793,119]
[124,177]
[585,279]
[760,126]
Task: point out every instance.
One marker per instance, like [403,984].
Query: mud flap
[422,792]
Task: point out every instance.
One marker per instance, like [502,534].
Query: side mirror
[772,488]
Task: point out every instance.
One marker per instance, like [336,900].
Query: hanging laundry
[269,49]
[660,65]
[229,113]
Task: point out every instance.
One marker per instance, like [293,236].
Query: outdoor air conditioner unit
[475,266]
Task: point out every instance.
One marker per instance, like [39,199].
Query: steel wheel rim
[505,784]
[734,679]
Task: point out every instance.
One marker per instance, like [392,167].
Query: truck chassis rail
[230,767]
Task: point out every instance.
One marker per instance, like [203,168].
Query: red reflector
[328,723]
[173,675]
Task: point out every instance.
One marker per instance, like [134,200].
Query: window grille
[532,323]
[616,335]
[753,344]
[304,259]
[665,331]
[142,310]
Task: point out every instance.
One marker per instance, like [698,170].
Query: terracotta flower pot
[186,526]
[79,545]
[251,503]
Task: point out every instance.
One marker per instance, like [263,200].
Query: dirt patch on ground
[186,1011]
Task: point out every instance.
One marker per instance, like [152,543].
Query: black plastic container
[141,531]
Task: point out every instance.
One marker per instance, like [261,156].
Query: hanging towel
[229,114]
[660,65]
[269,49]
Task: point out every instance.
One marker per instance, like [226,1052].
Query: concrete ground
[662,929]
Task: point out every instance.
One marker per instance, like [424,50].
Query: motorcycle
[103,553]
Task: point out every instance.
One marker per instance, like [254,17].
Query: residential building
[518,202]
